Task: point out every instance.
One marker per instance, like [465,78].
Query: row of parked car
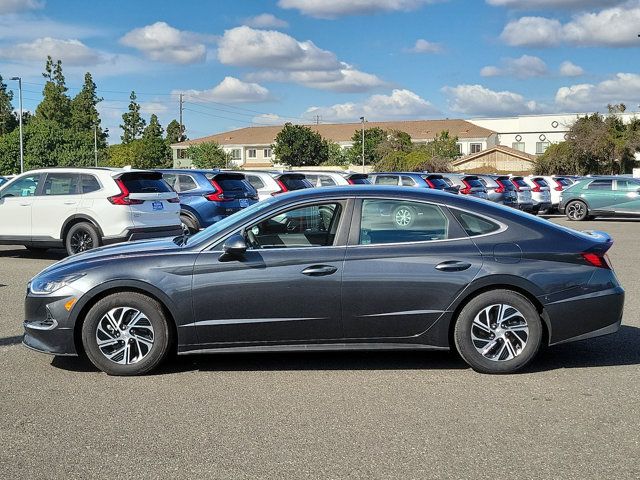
[82,208]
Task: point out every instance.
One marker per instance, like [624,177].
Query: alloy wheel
[576,210]
[81,241]
[499,332]
[124,335]
[403,217]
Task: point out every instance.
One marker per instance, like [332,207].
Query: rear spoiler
[603,238]
[150,174]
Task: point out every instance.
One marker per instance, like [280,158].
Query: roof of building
[342,132]
[497,148]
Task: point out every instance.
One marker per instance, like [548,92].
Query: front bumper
[47,325]
[144,233]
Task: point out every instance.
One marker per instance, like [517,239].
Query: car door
[627,196]
[286,286]
[400,277]
[16,203]
[58,200]
[599,195]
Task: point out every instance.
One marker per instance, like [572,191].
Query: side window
[172,180]
[326,181]
[399,221]
[408,182]
[186,183]
[627,185]
[312,226]
[386,180]
[600,185]
[256,182]
[312,178]
[61,184]
[24,187]
[475,225]
[89,183]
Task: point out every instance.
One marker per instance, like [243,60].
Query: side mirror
[235,245]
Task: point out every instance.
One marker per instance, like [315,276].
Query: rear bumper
[144,233]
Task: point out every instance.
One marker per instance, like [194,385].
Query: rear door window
[61,184]
[400,221]
[600,185]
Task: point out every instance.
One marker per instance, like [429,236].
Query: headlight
[45,285]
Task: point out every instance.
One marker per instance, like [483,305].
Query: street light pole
[362,120]
[95,144]
[20,122]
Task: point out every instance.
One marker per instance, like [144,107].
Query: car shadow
[619,349]
[20,252]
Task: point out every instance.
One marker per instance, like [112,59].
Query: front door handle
[452,266]
[319,270]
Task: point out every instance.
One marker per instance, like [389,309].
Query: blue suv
[208,196]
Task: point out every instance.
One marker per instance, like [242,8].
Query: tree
[392,161]
[132,122]
[337,156]
[55,105]
[373,137]
[84,112]
[10,153]
[297,145]
[208,155]
[395,141]
[558,159]
[156,153]
[8,120]
[174,132]
[444,146]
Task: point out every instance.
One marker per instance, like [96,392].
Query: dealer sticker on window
[158,206]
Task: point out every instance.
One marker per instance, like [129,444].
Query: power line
[227,118]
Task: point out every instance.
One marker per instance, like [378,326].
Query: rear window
[475,225]
[145,183]
[563,181]
[297,182]
[228,184]
[359,180]
[474,182]
[541,182]
[438,183]
[520,182]
[506,184]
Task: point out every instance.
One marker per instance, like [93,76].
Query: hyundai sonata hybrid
[341,268]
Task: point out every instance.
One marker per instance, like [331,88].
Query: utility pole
[181,127]
[318,118]
[95,144]
[362,120]
[20,120]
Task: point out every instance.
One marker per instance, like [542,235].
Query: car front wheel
[499,331]
[126,333]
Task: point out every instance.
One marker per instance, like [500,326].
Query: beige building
[496,159]
[251,147]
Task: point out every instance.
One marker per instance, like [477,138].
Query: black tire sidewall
[89,228]
[462,332]
[190,223]
[154,312]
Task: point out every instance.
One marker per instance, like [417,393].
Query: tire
[576,211]
[137,348]
[478,330]
[189,224]
[81,237]
[403,216]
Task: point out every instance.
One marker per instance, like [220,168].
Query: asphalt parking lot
[574,414]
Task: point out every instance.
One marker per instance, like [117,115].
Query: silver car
[497,192]
[540,193]
[469,184]
[523,190]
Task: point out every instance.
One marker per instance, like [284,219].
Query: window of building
[600,185]
[459,147]
[266,153]
[399,221]
[236,154]
[310,226]
[61,184]
[475,147]
[518,146]
[251,153]
[182,153]
[541,147]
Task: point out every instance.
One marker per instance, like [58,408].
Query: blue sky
[259,62]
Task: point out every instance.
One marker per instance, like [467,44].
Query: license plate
[244,203]
[158,205]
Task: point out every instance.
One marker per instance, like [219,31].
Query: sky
[260,62]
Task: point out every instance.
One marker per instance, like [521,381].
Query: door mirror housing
[235,245]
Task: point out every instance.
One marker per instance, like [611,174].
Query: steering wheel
[252,239]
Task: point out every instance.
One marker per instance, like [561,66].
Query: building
[496,159]
[250,147]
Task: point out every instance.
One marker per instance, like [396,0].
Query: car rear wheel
[499,331]
[189,225]
[81,237]
[126,333]
[577,210]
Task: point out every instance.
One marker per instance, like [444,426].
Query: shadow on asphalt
[21,252]
[621,348]
[6,341]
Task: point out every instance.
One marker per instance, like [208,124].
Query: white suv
[83,208]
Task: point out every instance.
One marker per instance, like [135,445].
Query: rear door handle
[452,266]
[319,270]
[70,203]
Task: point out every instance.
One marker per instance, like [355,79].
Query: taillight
[350,182]
[500,188]
[558,187]
[537,187]
[282,186]
[467,188]
[515,184]
[123,197]
[218,195]
[597,260]
[430,183]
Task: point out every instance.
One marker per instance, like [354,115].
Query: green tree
[337,156]
[392,161]
[10,153]
[394,141]
[55,105]
[558,159]
[174,133]
[132,122]
[84,111]
[156,153]
[297,145]
[373,138]
[208,155]
[8,120]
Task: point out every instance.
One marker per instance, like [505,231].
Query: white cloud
[28,27]
[400,104]
[479,100]
[339,8]
[230,90]
[14,6]
[164,43]
[268,119]
[280,57]
[523,67]
[71,52]
[541,4]
[570,69]
[612,27]
[265,20]
[424,46]
[622,88]
[157,108]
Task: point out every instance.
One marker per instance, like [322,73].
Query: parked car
[208,196]
[468,275]
[596,196]
[522,197]
[413,179]
[3,180]
[263,182]
[438,182]
[523,190]
[468,185]
[83,208]
[556,186]
[354,178]
[497,192]
[324,178]
[540,193]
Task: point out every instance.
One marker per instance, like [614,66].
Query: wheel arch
[191,213]
[79,218]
